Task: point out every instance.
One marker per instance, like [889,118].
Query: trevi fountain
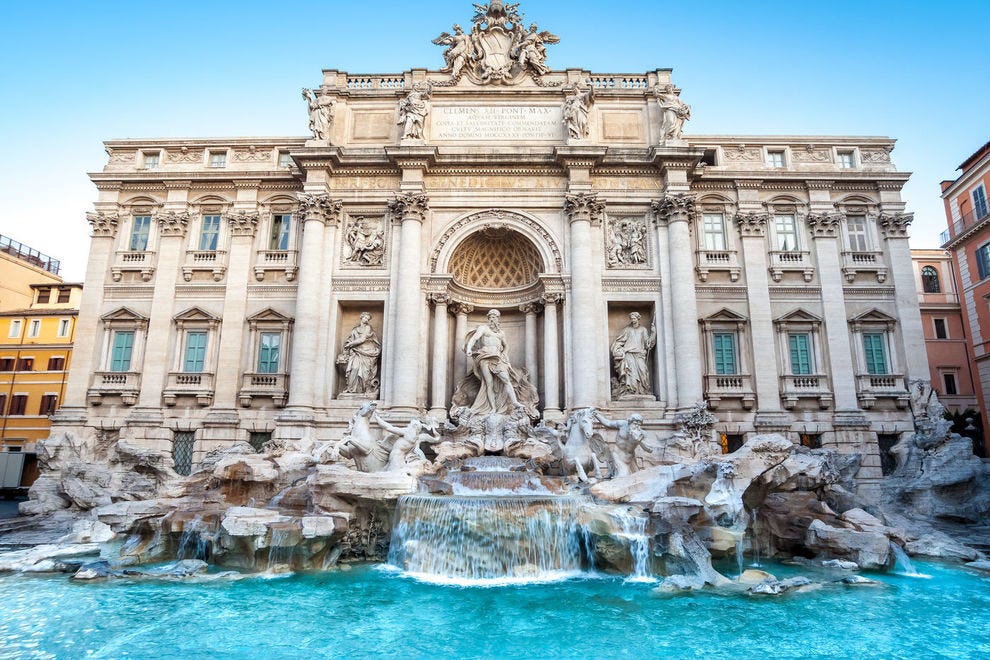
[498,522]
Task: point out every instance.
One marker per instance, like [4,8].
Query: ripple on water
[370,612]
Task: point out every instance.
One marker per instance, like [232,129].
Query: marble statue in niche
[630,356]
[320,114]
[576,109]
[413,110]
[366,240]
[359,357]
[626,239]
[673,113]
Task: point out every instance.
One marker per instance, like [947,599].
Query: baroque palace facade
[239,289]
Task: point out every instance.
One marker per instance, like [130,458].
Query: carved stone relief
[365,239]
[625,242]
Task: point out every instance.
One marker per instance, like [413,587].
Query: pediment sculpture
[498,49]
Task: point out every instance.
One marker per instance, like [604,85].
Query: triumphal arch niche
[631,268]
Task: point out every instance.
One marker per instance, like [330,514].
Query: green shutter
[195,352]
[876,353]
[268,352]
[725,353]
[800,354]
[120,359]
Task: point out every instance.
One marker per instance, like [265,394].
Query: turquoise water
[368,612]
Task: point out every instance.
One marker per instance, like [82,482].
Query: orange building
[35,352]
[967,240]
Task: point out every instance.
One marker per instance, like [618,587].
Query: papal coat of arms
[499,49]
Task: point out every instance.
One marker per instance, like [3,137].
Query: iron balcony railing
[29,255]
[962,224]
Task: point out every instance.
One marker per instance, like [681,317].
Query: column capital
[103,223]
[462,308]
[824,225]
[583,206]
[530,308]
[242,223]
[409,206]
[319,207]
[677,207]
[554,298]
[752,224]
[173,223]
[895,225]
[439,298]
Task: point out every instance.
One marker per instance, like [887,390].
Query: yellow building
[35,352]
[20,267]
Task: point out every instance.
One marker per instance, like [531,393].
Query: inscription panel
[496,122]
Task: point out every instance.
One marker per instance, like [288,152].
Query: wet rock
[89,531]
[123,516]
[940,546]
[339,481]
[676,509]
[21,560]
[183,569]
[859,581]
[649,484]
[841,564]
[45,496]
[97,570]
[871,550]
[754,576]
[979,565]
[247,521]
[324,526]
[676,583]
[253,468]
[775,587]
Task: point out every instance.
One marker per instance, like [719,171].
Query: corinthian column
[460,335]
[530,310]
[411,209]
[583,210]
[551,355]
[438,389]
[319,213]
[676,211]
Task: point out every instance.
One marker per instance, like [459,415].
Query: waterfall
[633,526]
[196,541]
[459,538]
[902,563]
[281,548]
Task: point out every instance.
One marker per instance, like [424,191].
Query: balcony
[199,385]
[213,261]
[280,260]
[718,260]
[869,388]
[125,384]
[273,386]
[864,262]
[806,386]
[782,261]
[133,261]
[961,226]
[729,386]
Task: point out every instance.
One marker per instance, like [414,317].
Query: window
[929,280]
[49,402]
[888,462]
[775,158]
[44,295]
[980,207]
[7,364]
[18,404]
[731,442]
[182,451]
[258,439]
[3,404]
[151,160]
[63,327]
[140,230]
[856,230]
[195,352]
[34,329]
[714,228]
[56,364]
[811,440]
[64,295]
[218,159]
[940,330]
[799,344]
[120,357]
[982,261]
[15,328]
[284,159]
[209,232]
[846,160]
[279,239]
[269,349]
[875,353]
[950,384]
[724,344]
[25,364]
[785,227]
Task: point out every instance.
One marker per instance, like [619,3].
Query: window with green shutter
[268,352]
[725,353]
[120,356]
[195,352]
[875,352]
[800,349]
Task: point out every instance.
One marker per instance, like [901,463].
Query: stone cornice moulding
[584,207]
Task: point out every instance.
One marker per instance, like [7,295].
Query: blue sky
[77,73]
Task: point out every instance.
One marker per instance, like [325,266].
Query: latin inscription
[496,122]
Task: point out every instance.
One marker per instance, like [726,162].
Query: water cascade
[902,563]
